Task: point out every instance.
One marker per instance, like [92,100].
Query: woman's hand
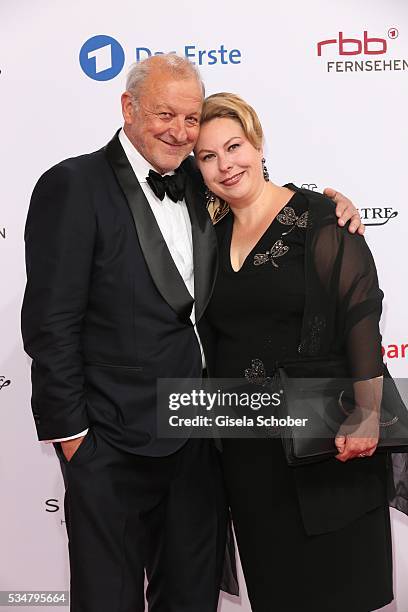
[358,436]
[359,433]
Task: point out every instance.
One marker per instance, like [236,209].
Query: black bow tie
[173,185]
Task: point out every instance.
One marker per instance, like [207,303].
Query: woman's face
[231,166]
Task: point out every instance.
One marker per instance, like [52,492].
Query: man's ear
[128,109]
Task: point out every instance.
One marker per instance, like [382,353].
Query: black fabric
[303,533]
[285,569]
[102,318]
[106,314]
[398,490]
[125,513]
[300,308]
[173,184]
[257,311]
[159,261]
[343,300]
[322,390]
[343,303]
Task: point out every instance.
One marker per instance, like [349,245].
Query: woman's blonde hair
[231,106]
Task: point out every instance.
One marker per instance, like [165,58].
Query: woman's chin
[233,196]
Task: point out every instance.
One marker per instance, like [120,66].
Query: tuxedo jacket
[106,312]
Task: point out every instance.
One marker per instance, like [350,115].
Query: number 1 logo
[101,58]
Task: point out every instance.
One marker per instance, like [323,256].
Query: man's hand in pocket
[70,447]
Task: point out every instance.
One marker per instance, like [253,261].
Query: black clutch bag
[315,407]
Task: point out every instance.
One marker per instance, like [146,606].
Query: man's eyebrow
[166,108]
[160,108]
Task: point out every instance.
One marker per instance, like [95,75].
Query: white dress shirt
[174,223]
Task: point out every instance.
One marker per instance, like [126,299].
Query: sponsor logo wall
[102,57]
[330,86]
[364,46]
[377,215]
[4,382]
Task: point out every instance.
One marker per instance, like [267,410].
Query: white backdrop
[331,119]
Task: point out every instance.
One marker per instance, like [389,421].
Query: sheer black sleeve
[361,304]
[347,270]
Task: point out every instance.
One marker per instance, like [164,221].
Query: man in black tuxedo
[110,306]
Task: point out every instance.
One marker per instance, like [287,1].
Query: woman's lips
[232,180]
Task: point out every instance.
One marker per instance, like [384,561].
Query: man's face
[164,124]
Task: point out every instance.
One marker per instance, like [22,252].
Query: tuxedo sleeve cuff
[79,435]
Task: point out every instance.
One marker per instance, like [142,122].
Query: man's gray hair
[175,65]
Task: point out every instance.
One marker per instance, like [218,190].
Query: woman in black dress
[292,284]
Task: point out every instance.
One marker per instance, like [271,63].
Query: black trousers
[127,514]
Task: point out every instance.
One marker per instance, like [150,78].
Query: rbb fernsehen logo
[101,58]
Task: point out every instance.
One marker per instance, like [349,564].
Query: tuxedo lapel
[205,252]
[156,253]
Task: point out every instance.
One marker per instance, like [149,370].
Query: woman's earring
[209,197]
[265,170]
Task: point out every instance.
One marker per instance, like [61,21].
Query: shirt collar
[139,164]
